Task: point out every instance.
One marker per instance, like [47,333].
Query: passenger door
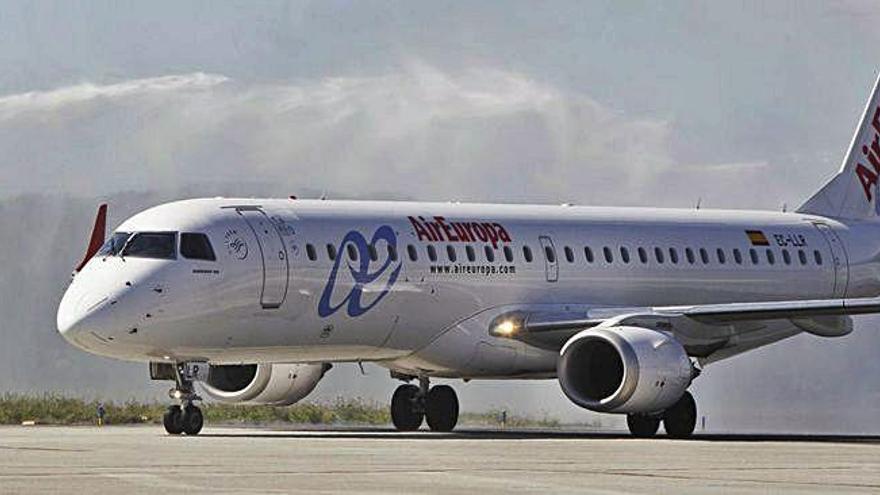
[273,255]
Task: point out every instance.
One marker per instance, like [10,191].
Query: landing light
[507,328]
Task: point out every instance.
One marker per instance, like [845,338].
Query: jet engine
[272,384]
[624,370]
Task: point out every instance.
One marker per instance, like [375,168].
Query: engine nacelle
[271,384]
[624,370]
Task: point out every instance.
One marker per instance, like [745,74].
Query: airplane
[251,301]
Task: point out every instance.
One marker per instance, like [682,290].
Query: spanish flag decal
[758,238]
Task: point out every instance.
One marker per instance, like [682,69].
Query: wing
[711,332]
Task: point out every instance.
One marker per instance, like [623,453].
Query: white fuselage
[275,294]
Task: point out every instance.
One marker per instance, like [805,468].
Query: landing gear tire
[441,408]
[681,419]
[173,420]
[642,426]
[406,413]
[192,420]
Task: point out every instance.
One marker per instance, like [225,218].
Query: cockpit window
[158,245]
[114,244]
[196,247]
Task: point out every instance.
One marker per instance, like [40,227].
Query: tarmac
[143,459]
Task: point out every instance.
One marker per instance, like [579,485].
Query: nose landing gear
[187,417]
[411,404]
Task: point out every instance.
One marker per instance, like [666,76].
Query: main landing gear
[679,420]
[187,417]
[411,404]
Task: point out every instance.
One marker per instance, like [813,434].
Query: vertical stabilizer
[853,192]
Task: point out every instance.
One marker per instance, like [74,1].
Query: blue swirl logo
[360,274]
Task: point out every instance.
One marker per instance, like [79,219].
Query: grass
[56,409]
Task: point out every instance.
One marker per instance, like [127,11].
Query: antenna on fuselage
[699,203]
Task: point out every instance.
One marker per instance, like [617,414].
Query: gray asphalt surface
[238,460]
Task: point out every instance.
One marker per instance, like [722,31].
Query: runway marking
[42,449]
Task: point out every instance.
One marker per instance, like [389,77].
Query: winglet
[97,240]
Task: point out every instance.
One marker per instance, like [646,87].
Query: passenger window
[609,257]
[818,256]
[658,255]
[549,254]
[392,253]
[450,253]
[771,259]
[432,253]
[310,252]
[737,256]
[754,256]
[673,256]
[802,256]
[689,254]
[720,254]
[588,254]
[786,257]
[413,252]
[196,247]
[643,256]
[624,254]
[373,254]
[508,254]
[158,245]
[352,252]
[331,251]
[527,254]
[469,250]
[490,254]
[704,256]
[569,254]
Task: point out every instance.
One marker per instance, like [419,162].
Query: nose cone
[82,314]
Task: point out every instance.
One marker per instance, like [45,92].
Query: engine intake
[624,370]
[271,384]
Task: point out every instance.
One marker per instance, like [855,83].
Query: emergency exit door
[551,263]
[838,259]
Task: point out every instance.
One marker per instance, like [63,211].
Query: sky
[730,104]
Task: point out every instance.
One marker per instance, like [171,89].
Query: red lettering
[480,231]
[439,229]
[429,229]
[490,232]
[502,234]
[461,232]
[867,178]
[875,122]
[872,157]
[436,235]
[875,147]
[470,233]
[446,228]
[420,230]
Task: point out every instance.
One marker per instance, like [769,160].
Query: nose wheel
[412,404]
[187,417]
